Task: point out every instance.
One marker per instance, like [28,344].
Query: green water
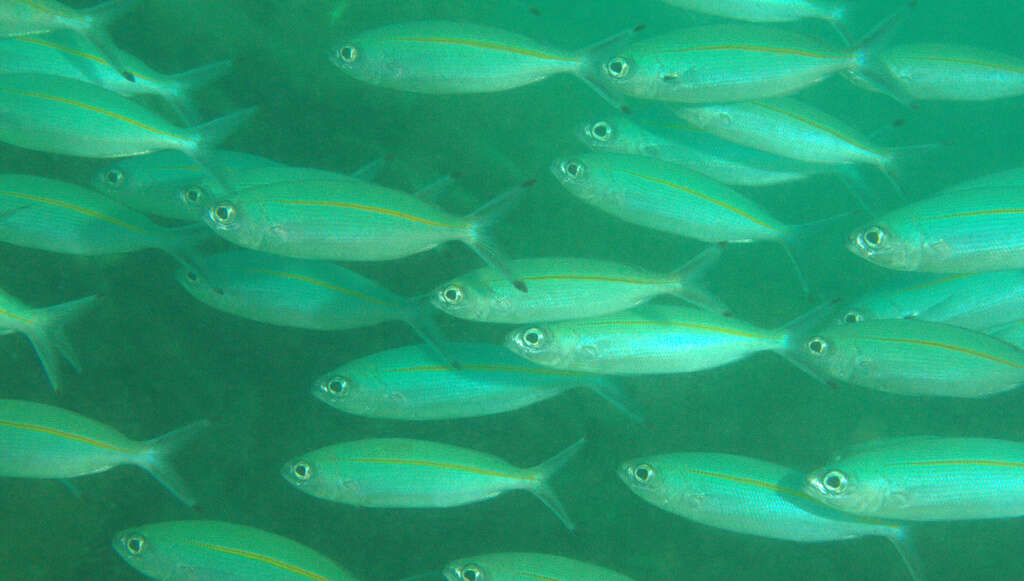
[155,359]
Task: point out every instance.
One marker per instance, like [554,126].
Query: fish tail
[483,219]
[156,459]
[799,330]
[799,237]
[370,170]
[866,68]
[904,544]
[201,76]
[853,179]
[213,132]
[101,16]
[691,280]
[49,339]
[432,191]
[590,67]
[421,319]
[612,392]
[543,489]
[181,242]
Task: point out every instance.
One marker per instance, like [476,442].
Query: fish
[790,128]
[752,497]
[721,160]
[523,566]
[306,294]
[44,328]
[911,357]
[221,551]
[26,17]
[331,218]
[168,183]
[646,340]
[670,198]
[975,226]
[55,114]
[734,62]
[403,473]
[766,10]
[43,441]
[570,288]
[441,57]
[410,383]
[924,478]
[67,54]
[943,72]
[979,301]
[56,216]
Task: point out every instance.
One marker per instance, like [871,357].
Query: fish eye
[135,543]
[817,345]
[336,385]
[223,213]
[471,573]
[573,169]
[872,238]
[192,276]
[113,176]
[533,337]
[617,67]
[834,482]
[853,317]
[347,53]
[642,473]
[192,195]
[600,131]
[451,294]
[302,471]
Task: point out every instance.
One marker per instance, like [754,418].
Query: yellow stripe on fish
[488,45]
[443,466]
[74,208]
[704,197]
[487,367]
[965,462]
[755,48]
[724,330]
[321,284]
[819,126]
[971,214]
[14,316]
[262,559]
[963,61]
[948,347]
[371,209]
[96,109]
[62,434]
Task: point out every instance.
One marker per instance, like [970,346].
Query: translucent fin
[904,544]
[180,243]
[104,15]
[691,275]
[866,69]
[370,171]
[798,331]
[212,133]
[483,219]
[50,341]
[545,471]
[613,393]
[432,191]
[156,459]
[420,318]
[800,235]
[198,77]
[851,176]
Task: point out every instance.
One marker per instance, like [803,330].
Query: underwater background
[155,359]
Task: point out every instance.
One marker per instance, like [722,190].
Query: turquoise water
[155,359]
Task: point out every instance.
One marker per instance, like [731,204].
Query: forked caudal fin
[866,68]
[799,235]
[591,65]
[690,278]
[156,459]
[904,544]
[545,471]
[50,341]
[99,18]
[483,219]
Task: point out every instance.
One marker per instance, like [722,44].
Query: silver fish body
[645,340]
[410,383]
[42,441]
[764,10]
[523,566]
[221,551]
[441,57]
[403,473]
[976,226]
[912,357]
[925,479]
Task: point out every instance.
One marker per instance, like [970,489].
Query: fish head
[460,299]
[198,283]
[307,473]
[886,245]
[619,69]
[466,570]
[840,488]
[117,180]
[602,134]
[574,173]
[825,355]
[194,199]
[367,60]
[650,480]
[542,345]
[143,553]
[344,391]
[238,221]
